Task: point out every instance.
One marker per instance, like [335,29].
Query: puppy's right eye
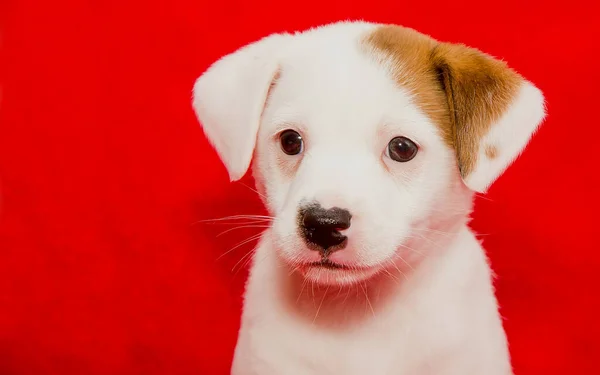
[291,142]
[402,149]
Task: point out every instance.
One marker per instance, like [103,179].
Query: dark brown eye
[402,149]
[291,142]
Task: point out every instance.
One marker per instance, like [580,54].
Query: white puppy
[368,142]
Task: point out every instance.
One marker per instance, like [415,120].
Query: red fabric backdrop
[104,170]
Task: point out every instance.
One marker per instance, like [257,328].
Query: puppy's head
[366,138]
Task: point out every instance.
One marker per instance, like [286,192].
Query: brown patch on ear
[491,151]
[479,90]
[462,90]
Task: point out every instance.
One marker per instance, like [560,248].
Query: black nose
[321,227]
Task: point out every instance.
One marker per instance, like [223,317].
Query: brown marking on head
[462,90]
[491,151]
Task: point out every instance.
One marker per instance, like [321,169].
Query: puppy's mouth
[327,264]
[327,272]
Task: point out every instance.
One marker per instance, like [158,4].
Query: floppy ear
[494,111]
[229,99]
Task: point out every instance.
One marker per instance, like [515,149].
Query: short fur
[415,295]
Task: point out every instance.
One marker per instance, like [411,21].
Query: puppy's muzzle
[321,228]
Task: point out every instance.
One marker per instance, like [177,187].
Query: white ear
[229,99]
[507,137]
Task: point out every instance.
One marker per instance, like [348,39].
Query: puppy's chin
[334,271]
[331,274]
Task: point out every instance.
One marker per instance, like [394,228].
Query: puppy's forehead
[356,73]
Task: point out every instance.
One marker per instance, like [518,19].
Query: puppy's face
[350,168]
[365,139]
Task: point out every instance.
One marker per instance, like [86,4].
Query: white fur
[419,299]
[509,136]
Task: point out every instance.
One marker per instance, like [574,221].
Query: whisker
[364,288]
[312,288]
[405,262]
[398,269]
[241,227]
[304,282]
[321,304]
[245,264]
[250,239]
[245,257]
[391,275]
[347,295]
[257,260]
[478,195]
[236,217]
[413,250]
[254,221]
[339,292]
[254,190]
[433,231]
[423,237]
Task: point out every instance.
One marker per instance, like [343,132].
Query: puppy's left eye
[291,142]
[402,149]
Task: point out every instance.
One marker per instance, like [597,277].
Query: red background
[103,170]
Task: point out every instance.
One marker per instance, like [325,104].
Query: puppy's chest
[273,342]
[285,349]
[290,348]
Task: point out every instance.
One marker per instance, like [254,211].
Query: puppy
[368,143]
